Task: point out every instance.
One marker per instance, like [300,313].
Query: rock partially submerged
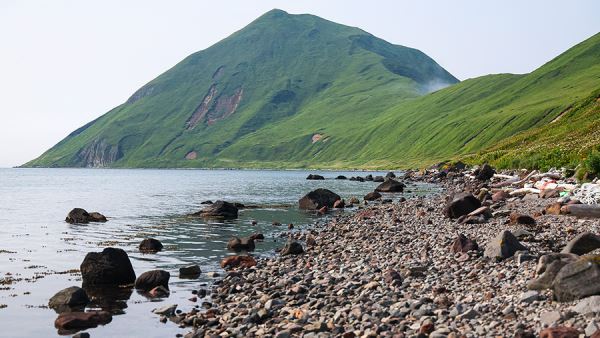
[241,244]
[151,279]
[73,296]
[150,245]
[82,320]
[219,209]
[109,267]
[372,196]
[315,177]
[318,199]
[80,216]
[390,185]
[190,271]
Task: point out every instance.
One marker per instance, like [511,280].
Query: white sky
[64,63]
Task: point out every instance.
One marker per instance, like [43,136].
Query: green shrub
[592,163]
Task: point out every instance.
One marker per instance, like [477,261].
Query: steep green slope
[297,80]
[571,136]
[459,120]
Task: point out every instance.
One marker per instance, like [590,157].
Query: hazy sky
[64,63]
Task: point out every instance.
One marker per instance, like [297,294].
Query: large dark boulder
[390,185]
[241,244]
[578,279]
[318,199]
[341,177]
[109,267]
[582,244]
[219,209]
[80,216]
[390,175]
[73,296]
[315,177]
[378,179]
[461,204]
[70,321]
[484,173]
[150,245]
[151,279]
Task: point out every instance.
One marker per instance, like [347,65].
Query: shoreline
[388,270]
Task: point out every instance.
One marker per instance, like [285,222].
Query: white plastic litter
[588,193]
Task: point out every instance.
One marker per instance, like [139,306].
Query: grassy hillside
[457,121]
[299,91]
[317,78]
[566,140]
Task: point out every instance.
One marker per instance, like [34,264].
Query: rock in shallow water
[151,279]
[150,245]
[109,267]
[189,271]
[372,196]
[82,320]
[390,185]
[241,244]
[219,209]
[70,297]
[79,215]
[318,199]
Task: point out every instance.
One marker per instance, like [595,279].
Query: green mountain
[300,91]
[493,112]
[296,83]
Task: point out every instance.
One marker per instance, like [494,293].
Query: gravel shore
[389,270]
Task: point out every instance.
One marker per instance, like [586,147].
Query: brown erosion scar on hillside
[225,106]
[211,110]
[568,109]
[192,155]
[202,109]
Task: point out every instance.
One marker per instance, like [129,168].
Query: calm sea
[37,248]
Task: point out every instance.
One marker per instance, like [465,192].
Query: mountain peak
[280,69]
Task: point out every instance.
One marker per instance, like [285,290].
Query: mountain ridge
[293,91]
[271,70]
